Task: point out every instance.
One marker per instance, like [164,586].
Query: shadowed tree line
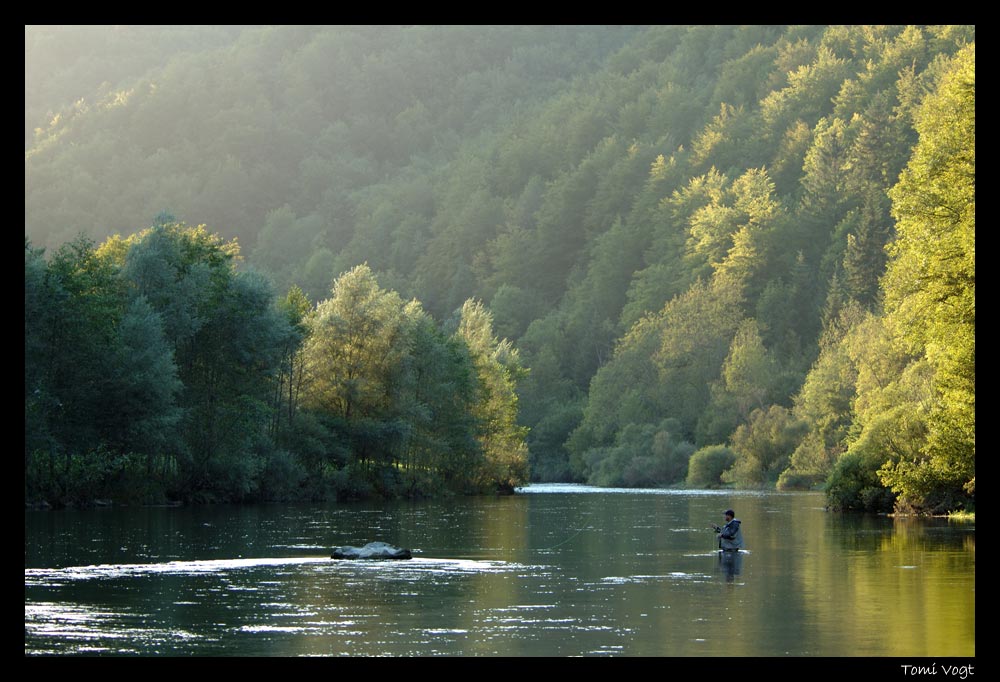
[157,370]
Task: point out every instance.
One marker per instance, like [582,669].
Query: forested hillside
[725,254]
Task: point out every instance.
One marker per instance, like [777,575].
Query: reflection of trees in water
[878,562]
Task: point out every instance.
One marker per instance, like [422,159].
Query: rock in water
[373,550]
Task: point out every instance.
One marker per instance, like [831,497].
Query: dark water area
[552,571]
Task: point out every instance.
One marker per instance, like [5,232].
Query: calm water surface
[553,571]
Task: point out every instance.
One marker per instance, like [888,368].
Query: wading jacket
[730,536]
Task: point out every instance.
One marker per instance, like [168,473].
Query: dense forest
[637,256]
[157,370]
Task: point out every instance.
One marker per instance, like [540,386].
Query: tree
[84,307]
[644,455]
[514,309]
[144,414]
[707,466]
[355,343]
[747,382]
[39,301]
[100,379]
[353,356]
[662,368]
[930,286]
[296,309]
[748,371]
[825,401]
[764,445]
[889,420]
[439,388]
[227,340]
[498,366]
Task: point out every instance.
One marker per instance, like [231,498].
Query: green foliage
[498,366]
[513,310]
[764,446]
[548,459]
[95,476]
[930,289]
[100,382]
[810,464]
[707,466]
[748,382]
[281,477]
[854,485]
[662,367]
[414,411]
[625,198]
[169,364]
[144,413]
[643,456]
[441,384]
[355,345]
[198,383]
[391,388]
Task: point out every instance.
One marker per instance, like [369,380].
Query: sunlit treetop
[197,244]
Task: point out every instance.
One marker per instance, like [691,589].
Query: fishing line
[559,544]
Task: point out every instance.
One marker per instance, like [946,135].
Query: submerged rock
[373,550]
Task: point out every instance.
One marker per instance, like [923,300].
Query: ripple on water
[84,629]
[36,576]
[644,579]
[51,577]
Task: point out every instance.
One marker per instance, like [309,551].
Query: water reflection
[730,564]
[222,567]
[593,573]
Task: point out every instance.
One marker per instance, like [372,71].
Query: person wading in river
[730,535]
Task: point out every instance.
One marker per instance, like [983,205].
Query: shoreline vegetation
[405,262]
[190,382]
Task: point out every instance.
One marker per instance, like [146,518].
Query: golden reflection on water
[545,574]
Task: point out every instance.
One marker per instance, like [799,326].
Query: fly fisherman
[730,536]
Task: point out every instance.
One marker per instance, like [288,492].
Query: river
[556,570]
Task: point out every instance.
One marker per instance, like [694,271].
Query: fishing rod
[718,529]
